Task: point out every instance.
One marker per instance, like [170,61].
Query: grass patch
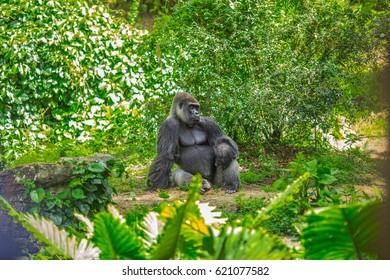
[374,125]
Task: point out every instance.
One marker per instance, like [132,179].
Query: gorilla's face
[193,115]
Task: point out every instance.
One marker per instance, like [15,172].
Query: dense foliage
[190,230]
[268,70]
[75,75]
[69,70]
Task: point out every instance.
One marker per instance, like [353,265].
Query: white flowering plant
[70,70]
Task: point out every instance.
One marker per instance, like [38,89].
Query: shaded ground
[377,147]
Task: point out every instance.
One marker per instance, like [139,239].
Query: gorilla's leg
[228,178]
[181,178]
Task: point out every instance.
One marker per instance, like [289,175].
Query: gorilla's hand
[206,186]
[225,152]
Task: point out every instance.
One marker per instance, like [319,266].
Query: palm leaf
[341,232]
[175,221]
[48,233]
[115,238]
[152,227]
[242,243]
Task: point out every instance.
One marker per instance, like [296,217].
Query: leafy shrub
[281,221]
[70,71]
[316,191]
[88,193]
[271,70]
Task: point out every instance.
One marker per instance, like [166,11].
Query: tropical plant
[349,230]
[191,230]
[317,190]
[181,230]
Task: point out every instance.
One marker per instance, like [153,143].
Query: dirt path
[377,147]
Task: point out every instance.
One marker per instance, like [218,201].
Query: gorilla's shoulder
[170,123]
[207,121]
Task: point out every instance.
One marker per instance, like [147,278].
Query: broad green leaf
[78,170]
[78,193]
[163,195]
[63,195]
[115,239]
[341,232]
[37,195]
[83,207]
[240,243]
[96,167]
[326,179]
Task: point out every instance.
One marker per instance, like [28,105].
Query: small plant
[316,191]
[250,177]
[279,222]
[88,193]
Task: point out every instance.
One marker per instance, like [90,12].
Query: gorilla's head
[185,108]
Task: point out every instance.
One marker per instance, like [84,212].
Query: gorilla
[197,145]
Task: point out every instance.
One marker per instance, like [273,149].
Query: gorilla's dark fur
[198,145]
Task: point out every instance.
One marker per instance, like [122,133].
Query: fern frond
[152,227]
[87,222]
[116,239]
[341,232]
[47,232]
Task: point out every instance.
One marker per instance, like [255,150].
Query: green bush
[88,193]
[272,70]
[69,70]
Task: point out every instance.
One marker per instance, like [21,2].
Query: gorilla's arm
[167,150]
[224,147]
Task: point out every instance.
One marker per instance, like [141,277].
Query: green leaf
[56,218]
[245,244]
[96,167]
[63,195]
[75,182]
[115,239]
[78,170]
[341,232]
[37,195]
[326,179]
[83,207]
[97,181]
[91,188]
[164,195]
[78,193]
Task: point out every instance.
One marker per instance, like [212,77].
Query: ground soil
[377,148]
